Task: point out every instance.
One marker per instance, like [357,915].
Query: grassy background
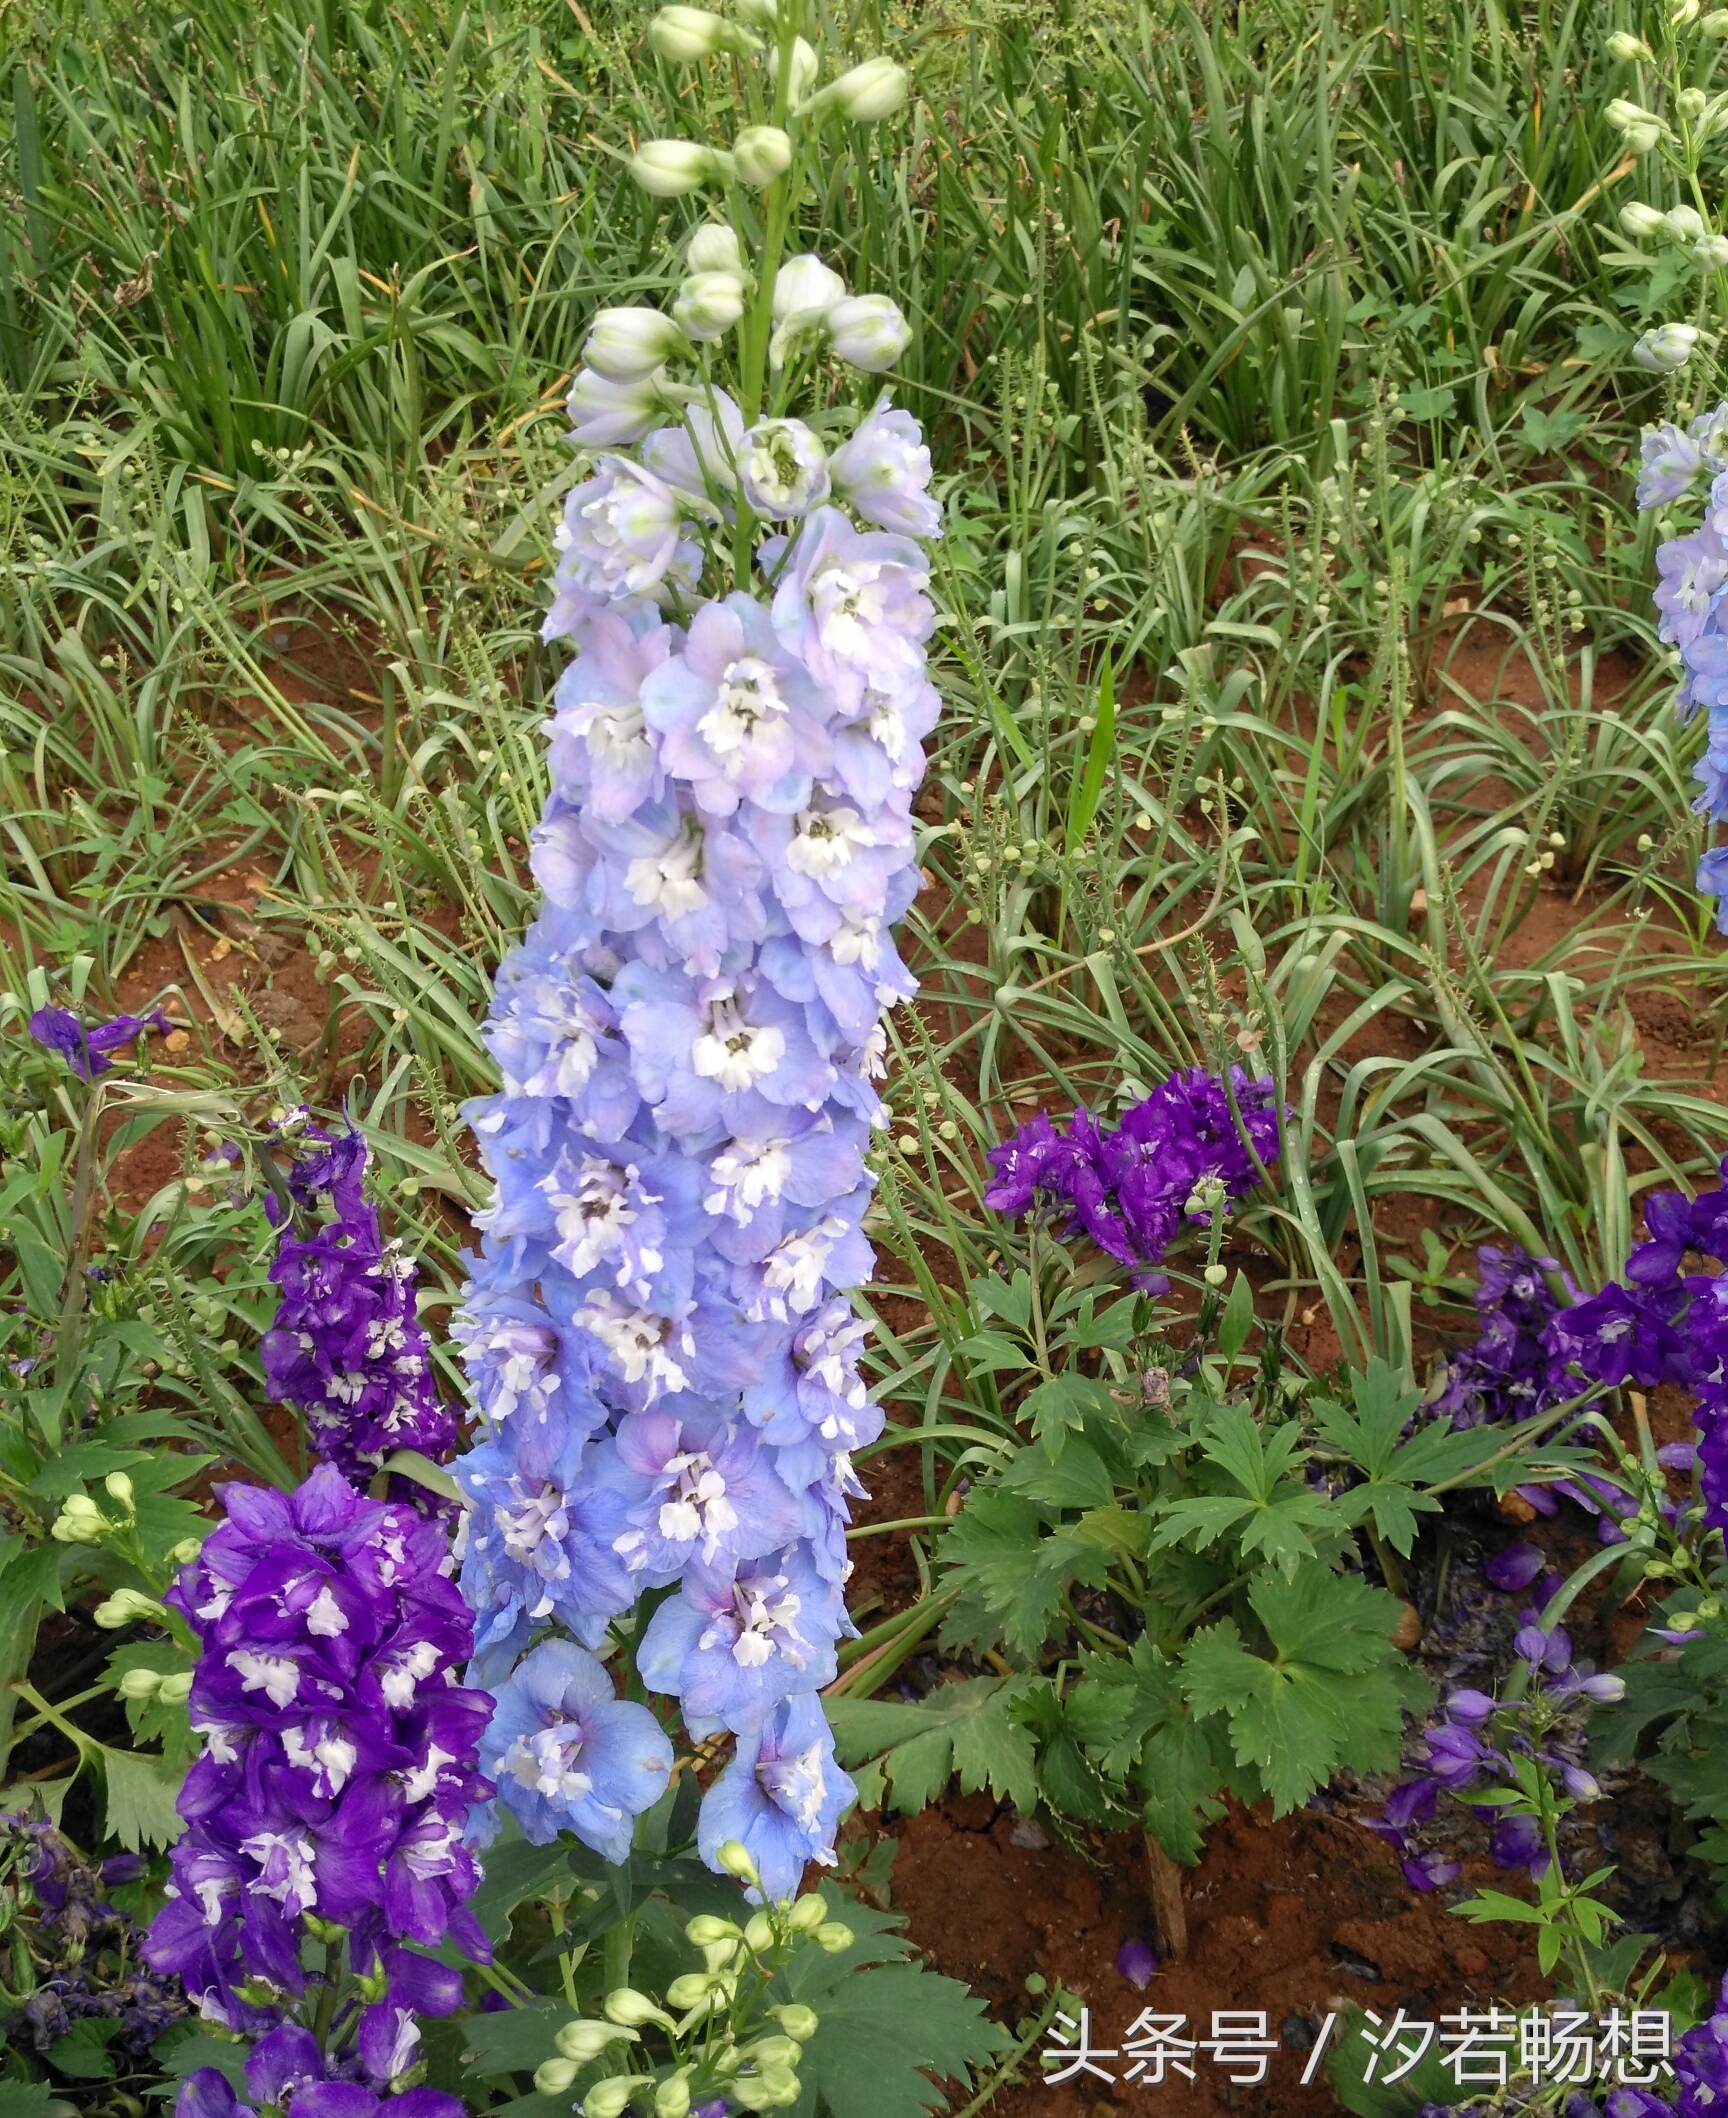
[1274,361]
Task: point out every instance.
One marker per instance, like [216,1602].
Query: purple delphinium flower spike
[340,1756]
[347,1348]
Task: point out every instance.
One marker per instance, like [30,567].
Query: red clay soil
[1292,1918]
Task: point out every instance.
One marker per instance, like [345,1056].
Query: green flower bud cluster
[723,2035]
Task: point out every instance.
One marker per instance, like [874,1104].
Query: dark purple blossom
[85,1048]
[340,1754]
[1128,1189]
[1515,1567]
[1428,1870]
[1507,1374]
[347,1348]
[1516,1842]
[1136,1963]
[1701,2065]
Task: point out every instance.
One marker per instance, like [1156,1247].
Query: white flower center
[797,1785]
[401,1677]
[825,841]
[641,1344]
[325,1617]
[670,881]
[536,1518]
[734,1052]
[747,695]
[285,1863]
[745,1175]
[860,942]
[546,1764]
[274,1675]
[697,1505]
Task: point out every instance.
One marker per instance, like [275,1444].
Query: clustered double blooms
[337,1774]
[1693,571]
[74,1956]
[347,1349]
[1661,1324]
[661,1357]
[1130,1187]
[1482,1742]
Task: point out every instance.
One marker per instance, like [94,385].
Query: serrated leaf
[1335,1689]
[888,2032]
[1114,1530]
[992,1749]
[1179,1778]
[998,1552]
[1010,1300]
[1062,1406]
[1077,1479]
[985,1351]
[1333,1621]
[965,1727]
[140,1792]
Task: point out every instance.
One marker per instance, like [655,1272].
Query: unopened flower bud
[669,168]
[185,1551]
[775,2052]
[585,2039]
[689,1988]
[80,1521]
[801,76]
[1711,251]
[138,1684]
[761,153]
[762,14]
[1641,222]
[1684,223]
[553,2076]
[805,287]
[127,1606]
[1714,24]
[1691,103]
[1625,47]
[630,2009]
[177,1689]
[808,1913]
[672,2097]
[1684,12]
[706,1929]
[833,1937]
[868,332]
[796,2020]
[1216,1275]
[708,304]
[120,1488]
[734,1857]
[713,248]
[611,2098]
[627,345]
[759,1933]
[1666,349]
[686,34]
[866,93]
